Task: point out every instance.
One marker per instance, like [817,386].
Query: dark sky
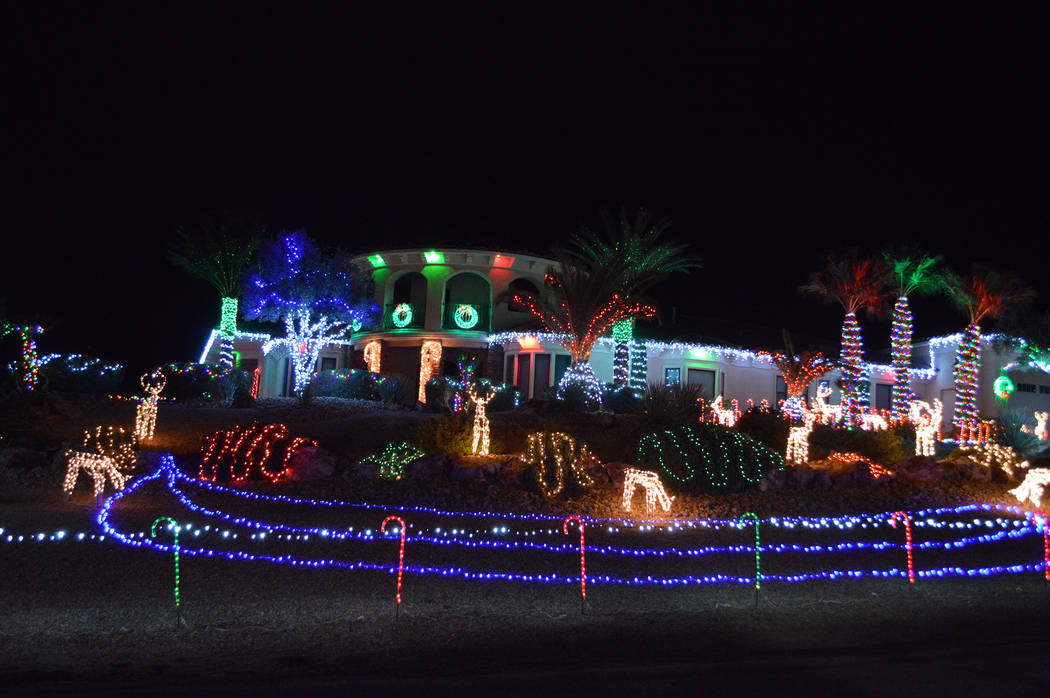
[768,136]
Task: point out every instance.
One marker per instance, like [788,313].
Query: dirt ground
[97,617]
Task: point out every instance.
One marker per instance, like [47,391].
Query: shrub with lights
[249,453]
[393,459]
[188,382]
[706,457]
[316,297]
[76,373]
[348,383]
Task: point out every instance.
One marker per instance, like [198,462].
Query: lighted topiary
[393,459]
[558,458]
[252,452]
[706,456]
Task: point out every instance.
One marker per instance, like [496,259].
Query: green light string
[758,552]
[175,529]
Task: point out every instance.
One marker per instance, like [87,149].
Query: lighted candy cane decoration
[146,412]
[907,540]
[372,355]
[429,360]
[1046,545]
[758,552]
[583,562]
[175,530]
[400,555]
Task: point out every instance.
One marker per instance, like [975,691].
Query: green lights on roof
[434,257]
[376,260]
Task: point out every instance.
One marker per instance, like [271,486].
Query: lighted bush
[347,383]
[704,457]
[209,382]
[393,459]
[76,373]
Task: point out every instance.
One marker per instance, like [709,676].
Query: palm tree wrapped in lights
[220,252]
[799,370]
[983,296]
[912,273]
[857,285]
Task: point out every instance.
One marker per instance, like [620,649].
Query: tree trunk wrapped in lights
[852,354]
[798,372]
[622,334]
[227,331]
[967,368]
[900,345]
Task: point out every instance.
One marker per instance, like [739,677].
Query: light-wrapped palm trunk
[900,344]
[227,331]
[967,368]
[852,352]
[622,333]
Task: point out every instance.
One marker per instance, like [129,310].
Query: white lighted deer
[1040,426]
[1035,482]
[927,420]
[146,412]
[654,490]
[826,414]
[798,440]
[97,465]
[481,421]
[872,421]
[726,416]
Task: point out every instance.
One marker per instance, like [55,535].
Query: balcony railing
[404,316]
[469,317]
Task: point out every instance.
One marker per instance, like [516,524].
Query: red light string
[1046,545]
[907,540]
[583,562]
[400,554]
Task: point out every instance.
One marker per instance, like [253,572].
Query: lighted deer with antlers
[146,412]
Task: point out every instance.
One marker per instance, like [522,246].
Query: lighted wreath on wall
[402,315]
[466,316]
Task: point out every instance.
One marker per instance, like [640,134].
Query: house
[442,304]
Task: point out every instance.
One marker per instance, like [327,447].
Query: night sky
[769,138]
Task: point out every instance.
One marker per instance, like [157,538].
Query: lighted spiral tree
[799,370]
[220,252]
[317,298]
[28,375]
[913,273]
[857,285]
[983,296]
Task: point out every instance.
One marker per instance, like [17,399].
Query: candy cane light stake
[175,529]
[583,562]
[907,540]
[758,553]
[1046,545]
[400,557]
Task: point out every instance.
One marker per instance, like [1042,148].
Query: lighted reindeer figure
[726,416]
[827,414]
[1040,425]
[481,421]
[1035,482]
[927,420]
[798,440]
[872,421]
[654,490]
[146,412]
[98,466]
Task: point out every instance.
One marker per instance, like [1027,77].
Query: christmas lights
[996,455]
[798,440]
[927,421]
[852,351]
[248,452]
[372,354]
[1046,546]
[97,465]
[567,455]
[29,375]
[654,490]
[639,377]
[227,330]
[480,444]
[465,316]
[581,375]
[827,414]
[1040,425]
[758,549]
[583,561]
[907,537]
[622,333]
[113,443]
[1003,387]
[967,368]
[1035,482]
[724,416]
[681,448]
[870,421]
[256,382]
[146,410]
[429,365]
[400,552]
[402,315]
[393,459]
[173,526]
[900,343]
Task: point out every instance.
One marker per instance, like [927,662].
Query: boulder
[773,480]
[311,463]
[429,467]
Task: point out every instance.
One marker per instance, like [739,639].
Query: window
[1044,389]
[508,370]
[1026,387]
[706,381]
[781,391]
[882,396]
[561,362]
[672,376]
[327,363]
[541,374]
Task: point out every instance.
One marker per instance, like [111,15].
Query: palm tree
[984,295]
[219,252]
[631,250]
[798,371]
[857,285]
[913,273]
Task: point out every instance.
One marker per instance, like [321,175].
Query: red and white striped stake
[1046,546]
[400,556]
[583,562]
[907,540]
